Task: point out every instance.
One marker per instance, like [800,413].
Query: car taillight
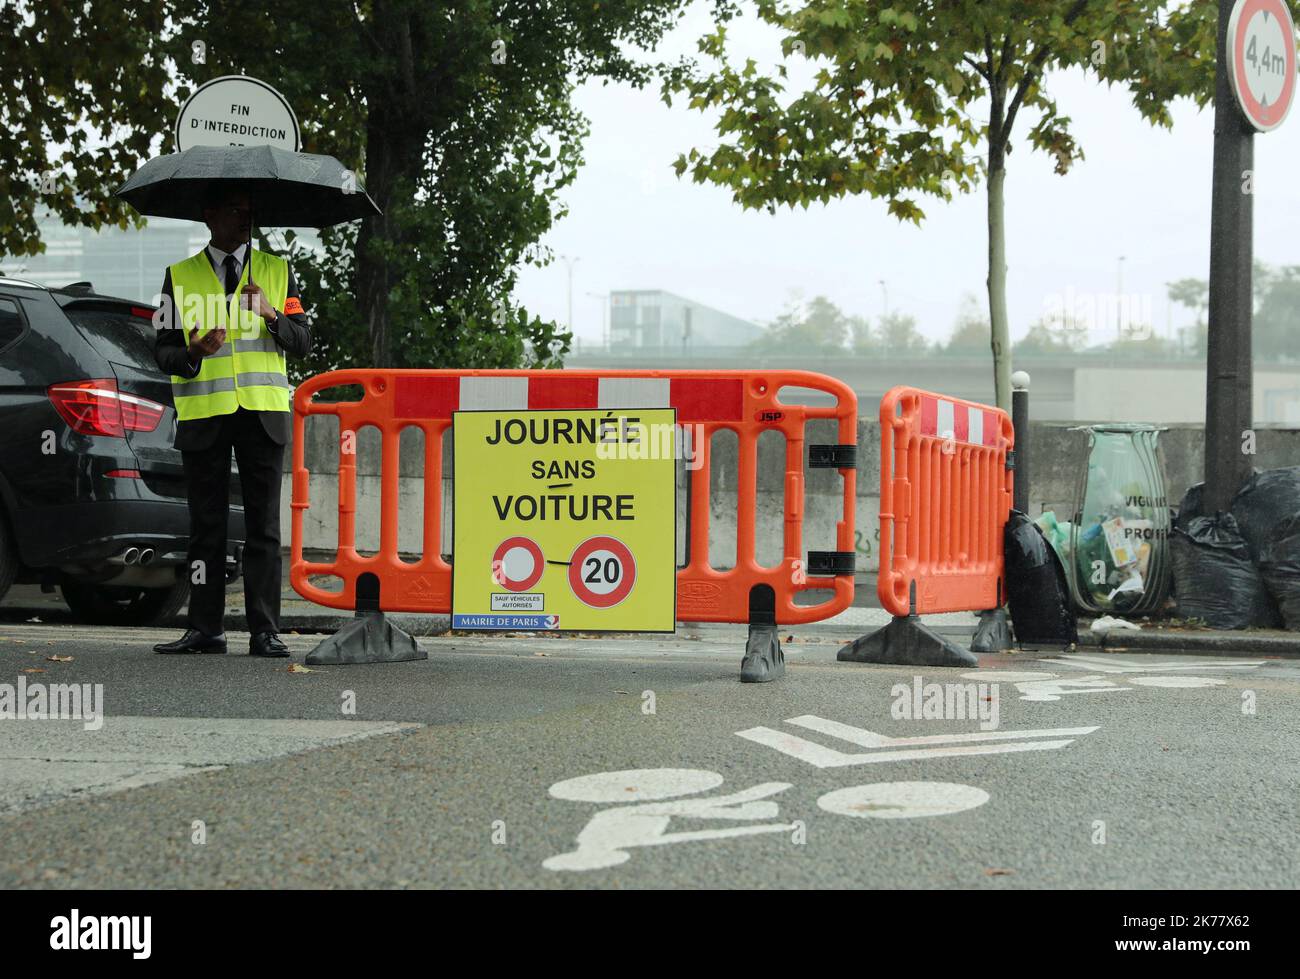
[98,408]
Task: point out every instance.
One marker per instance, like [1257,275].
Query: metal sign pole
[1228,352]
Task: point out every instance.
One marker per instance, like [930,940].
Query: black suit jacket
[171,350]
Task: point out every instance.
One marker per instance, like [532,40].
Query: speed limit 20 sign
[1262,60]
[602,572]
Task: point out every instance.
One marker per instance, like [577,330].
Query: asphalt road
[641,762]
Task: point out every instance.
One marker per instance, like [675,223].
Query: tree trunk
[393,160]
[394,156]
[1000,328]
[371,270]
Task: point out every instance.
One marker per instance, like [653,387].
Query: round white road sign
[1261,60]
[235,110]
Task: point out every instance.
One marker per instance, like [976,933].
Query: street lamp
[1119,297]
[884,291]
[570,262]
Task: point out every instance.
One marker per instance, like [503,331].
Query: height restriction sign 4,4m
[565,520]
[1262,60]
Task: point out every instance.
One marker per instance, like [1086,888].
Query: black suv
[92,494]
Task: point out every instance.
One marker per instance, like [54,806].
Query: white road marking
[870,739]
[1109,664]
[1178,682]
[1043,687]
[823,757]
[1042,691]
[1006,676]
[903,800]
[958,745]
[610,833]
[636,785]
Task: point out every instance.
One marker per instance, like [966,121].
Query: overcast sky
[1142,193]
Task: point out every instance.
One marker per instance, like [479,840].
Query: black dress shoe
[267,644]
[193,642]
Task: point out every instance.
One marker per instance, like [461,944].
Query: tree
[1140,340]
[907,88]
[970,332]
[1277,312]
[1195,295]
[896,335]
[459,118]
[820,328]
[1276,316]
[1053,337]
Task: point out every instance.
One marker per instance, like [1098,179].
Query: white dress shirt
[218,259]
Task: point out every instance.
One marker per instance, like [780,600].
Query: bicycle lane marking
[610,833]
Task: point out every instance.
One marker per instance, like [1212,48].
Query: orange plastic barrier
[944,504]
[746,402]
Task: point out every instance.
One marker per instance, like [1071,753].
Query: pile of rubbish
[1241,569]
[1115,550]
[1114,555]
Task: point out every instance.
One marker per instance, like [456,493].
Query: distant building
[651,320]
[128,264]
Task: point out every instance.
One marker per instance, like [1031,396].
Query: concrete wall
[1058,457]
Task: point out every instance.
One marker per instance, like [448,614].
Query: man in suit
[225,348]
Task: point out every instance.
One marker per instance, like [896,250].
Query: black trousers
[207,475]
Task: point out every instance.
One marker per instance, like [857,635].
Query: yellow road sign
[565,520]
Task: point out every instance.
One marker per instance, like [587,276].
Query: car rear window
[123,334]
[11,322]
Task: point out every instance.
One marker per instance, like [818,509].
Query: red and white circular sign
[602,572]
[1261,60]
[517,564]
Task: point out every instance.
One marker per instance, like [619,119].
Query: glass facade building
[653,320]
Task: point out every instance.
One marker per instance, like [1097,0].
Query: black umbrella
[286,190]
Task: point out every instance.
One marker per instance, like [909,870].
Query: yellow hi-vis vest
[248,370]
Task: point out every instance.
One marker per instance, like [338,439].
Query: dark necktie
[232,276]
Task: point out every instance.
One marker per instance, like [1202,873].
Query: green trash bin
[1119,539]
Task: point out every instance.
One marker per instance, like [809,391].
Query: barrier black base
[907,642]
[368,638]
[993,634]
[764,660]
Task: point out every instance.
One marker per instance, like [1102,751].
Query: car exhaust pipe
[146,556]
[131,555]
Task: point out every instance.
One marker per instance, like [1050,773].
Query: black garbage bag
[1214,577]
[1190,507]
[1280,568]
[1266,499]
[1037,593]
